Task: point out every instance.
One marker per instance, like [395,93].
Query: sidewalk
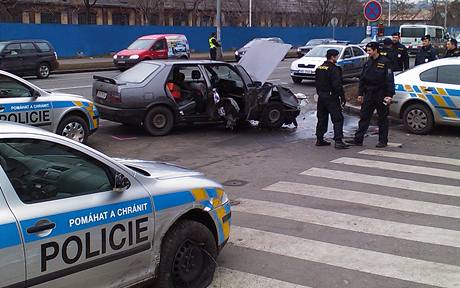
[106,63]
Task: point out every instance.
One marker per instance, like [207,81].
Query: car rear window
[138,73]
[43,46]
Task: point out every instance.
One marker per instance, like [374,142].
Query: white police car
[73,217]
[69,115]
[428,94]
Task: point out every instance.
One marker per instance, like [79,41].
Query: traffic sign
[372,11]
[334,21]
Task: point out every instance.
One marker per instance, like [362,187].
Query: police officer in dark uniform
[427,53]
[331,100]
[402,57]
[376,89]
[387,51]
[452,49]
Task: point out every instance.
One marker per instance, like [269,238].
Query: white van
[411,36]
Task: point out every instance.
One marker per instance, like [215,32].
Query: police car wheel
[159,121]
[418,119]
[273,115]
[43,70]
[188,254]
[75,128]
[296,80]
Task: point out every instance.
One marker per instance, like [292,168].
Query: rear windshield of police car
[138,73]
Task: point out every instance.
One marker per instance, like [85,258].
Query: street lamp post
[445,15]
[250,13]
[219,28]
[389,13]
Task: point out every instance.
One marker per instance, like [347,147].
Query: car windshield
[141,44]
[138,73]
[366,40]
[413,32]
[2,45]
[314,42]
[320,51]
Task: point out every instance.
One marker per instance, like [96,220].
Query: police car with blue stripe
[69,115]
[73,217]
[427,95]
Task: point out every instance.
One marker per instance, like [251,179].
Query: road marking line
[394,145]
[228,278]
[368,199]
[407,156]
[384,181]
[377,263]
[398,167]
[273,80]
[70,88]
[419,233]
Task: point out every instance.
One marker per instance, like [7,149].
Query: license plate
[101,94]
[121,61]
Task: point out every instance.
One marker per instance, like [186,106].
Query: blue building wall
[94,40]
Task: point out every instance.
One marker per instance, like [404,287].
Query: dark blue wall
[95,40]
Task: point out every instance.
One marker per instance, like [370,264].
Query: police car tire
[271,108]
[429,119]
[171,247]
[296,80]
[159,111]
[70,119]
[39,68]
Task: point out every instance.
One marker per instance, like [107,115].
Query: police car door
[12,272]
[77,231]
[20,103]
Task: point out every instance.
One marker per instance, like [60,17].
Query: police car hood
[311,60]
[70,97]
[156,169]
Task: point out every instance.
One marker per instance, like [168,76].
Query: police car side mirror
[36,94]
[121,183]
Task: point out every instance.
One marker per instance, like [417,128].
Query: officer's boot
[322,142]
[340,145]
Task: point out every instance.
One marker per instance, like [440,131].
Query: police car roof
[16,128]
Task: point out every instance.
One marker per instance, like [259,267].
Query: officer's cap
[387,41]
[331,53]
[426,37]
[453,41]
[396,34]
[373,45]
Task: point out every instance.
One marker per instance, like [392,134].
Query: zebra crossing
[372,225]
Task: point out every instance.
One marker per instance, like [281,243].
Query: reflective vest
[211,44]
[175,91]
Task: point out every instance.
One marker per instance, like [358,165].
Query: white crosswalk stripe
[366,199]
[404,268]
[384,181]
[227,278]
[405,231]
[398,167]
[408,156]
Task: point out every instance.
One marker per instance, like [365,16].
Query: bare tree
[322,11]
[348,11]
[7,10]
[150,9]
[89,4]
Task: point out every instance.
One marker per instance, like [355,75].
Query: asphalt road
[316,217]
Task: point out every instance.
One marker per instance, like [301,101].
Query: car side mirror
[36,94]
[121,183]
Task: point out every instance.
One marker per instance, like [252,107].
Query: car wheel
[273,115]
[43,70]
[188,254]
[75,128]
[418,119]
[297,80]
[159,121]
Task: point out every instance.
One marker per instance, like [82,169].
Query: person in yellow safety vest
[213,45]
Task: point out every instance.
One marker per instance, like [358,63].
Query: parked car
[240,52]
[428,95]
[28,57]
[73,217]
[367,40]
[68,115]
[302,50]
[351,59]
[151,47]
[210,91]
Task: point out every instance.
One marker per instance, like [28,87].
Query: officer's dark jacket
[390,55]
[329,80]
[452,53]
[377,78]
[402,57]
[426,54]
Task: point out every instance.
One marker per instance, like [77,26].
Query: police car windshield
[320,51]
[138,73]
[141,44]
[315,42]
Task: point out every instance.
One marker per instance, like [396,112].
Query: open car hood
[262,57]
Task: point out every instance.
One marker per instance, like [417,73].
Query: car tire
[273,115]
[159,121]
[188,254]
[43,70]
[418,119]
[74,127]
[296,80]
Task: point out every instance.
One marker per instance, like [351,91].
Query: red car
[150,47]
